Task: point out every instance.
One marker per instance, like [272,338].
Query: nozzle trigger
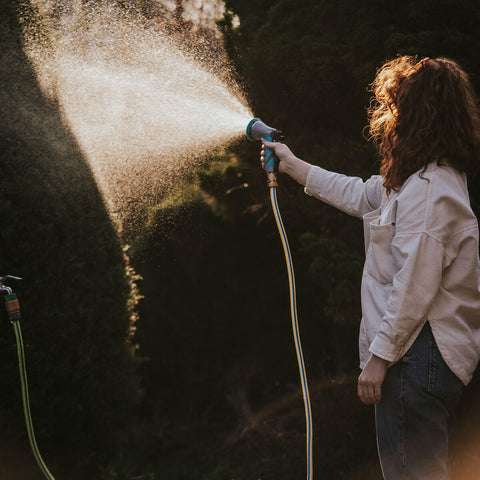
[271,160]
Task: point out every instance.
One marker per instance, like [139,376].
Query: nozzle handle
[256,130]
[271,160]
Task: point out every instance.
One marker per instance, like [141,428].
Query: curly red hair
[422,112]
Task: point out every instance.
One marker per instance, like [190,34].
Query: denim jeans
[412,419]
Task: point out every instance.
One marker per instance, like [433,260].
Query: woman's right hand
[288,162]
[284,154]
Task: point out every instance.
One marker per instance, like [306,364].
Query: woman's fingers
[369,394]
[262,156]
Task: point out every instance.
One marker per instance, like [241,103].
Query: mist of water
[142,109]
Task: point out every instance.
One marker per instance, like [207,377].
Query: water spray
[12,306]
[257,130]
[127,90]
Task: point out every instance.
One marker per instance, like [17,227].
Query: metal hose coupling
[272,179]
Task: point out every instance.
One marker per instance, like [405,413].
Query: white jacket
[421,262]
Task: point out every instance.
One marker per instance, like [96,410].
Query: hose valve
[12,304]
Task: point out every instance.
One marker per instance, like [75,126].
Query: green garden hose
[13,310]
[26,401]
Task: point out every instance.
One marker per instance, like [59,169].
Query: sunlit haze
[141,108]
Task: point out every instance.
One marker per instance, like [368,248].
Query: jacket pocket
[379,262]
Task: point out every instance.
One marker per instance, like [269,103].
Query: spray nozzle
[256,130]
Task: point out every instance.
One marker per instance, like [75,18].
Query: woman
[420,330]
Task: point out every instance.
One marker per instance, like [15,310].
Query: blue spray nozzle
[256,130]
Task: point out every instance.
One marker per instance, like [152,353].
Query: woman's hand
[371,380]
[288,162]
[284,154]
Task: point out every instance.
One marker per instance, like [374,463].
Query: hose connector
[13,307]
[272,179]
[12,304]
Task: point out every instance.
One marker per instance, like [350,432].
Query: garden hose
[256,130]
[296,333]
[13,309]
[26,402]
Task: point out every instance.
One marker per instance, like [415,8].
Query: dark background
[207,387]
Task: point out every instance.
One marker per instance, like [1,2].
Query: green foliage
[307,63]
[334,273]
[215,320]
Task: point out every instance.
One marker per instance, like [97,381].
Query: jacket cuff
[314,182]
[384,349]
